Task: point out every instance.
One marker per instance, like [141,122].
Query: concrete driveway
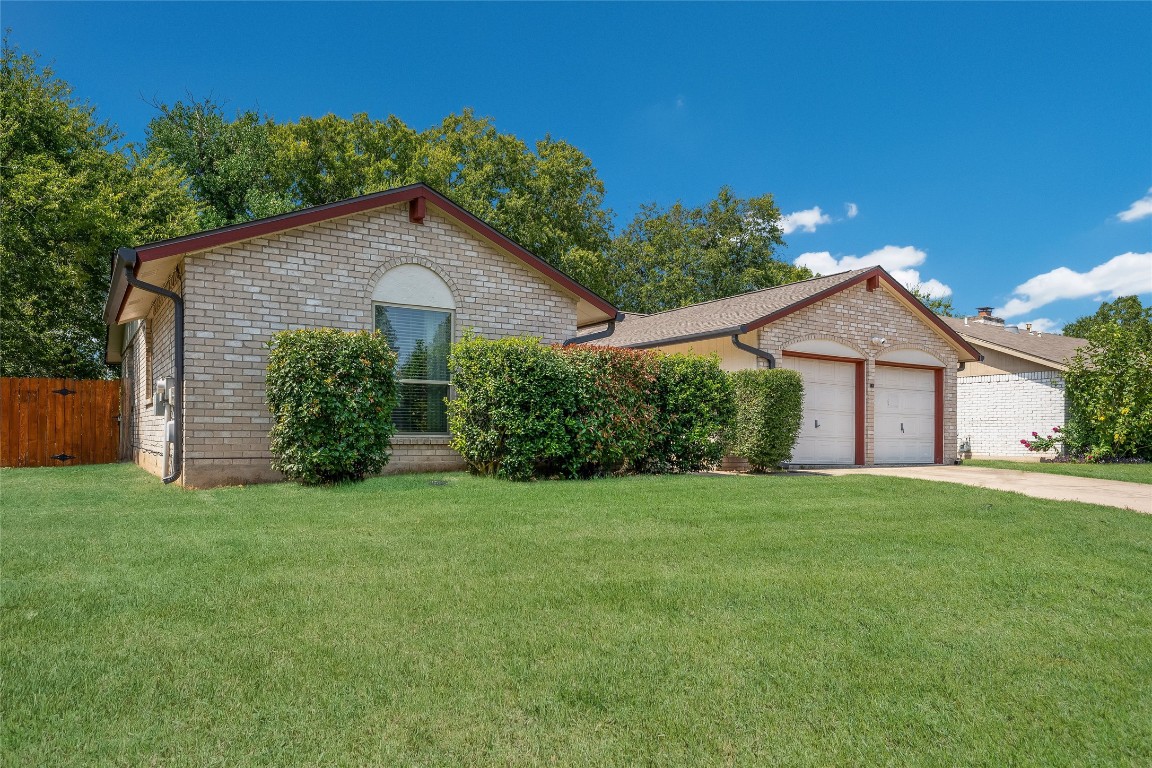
[1112,493]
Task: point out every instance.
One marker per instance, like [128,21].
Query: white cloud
[805,220]
[910,278]
[810,218]
[1140,209]
[1124,275]
[897,260]
[1044,325]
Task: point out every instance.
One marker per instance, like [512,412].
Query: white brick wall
[998,411]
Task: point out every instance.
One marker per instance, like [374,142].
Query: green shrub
[1109,388]
[612,424]
[695,409]
[769,407]
[524,410]
[331,394]
[513,402]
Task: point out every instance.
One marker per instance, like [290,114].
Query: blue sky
[1003,151]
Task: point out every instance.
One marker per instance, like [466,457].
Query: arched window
[414,310]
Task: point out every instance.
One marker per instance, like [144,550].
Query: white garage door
[828,429]
[905,415]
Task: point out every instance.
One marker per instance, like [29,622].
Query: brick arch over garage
[906,347]
[799,340]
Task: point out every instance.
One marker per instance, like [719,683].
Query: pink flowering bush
[1053,442]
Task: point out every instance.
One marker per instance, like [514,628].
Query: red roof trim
[875,272]
[252,229]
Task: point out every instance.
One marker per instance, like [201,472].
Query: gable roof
[157,260]
[749,311]
[1050,349]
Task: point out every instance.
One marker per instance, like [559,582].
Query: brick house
[1016,389]
[408,259]
[879,367]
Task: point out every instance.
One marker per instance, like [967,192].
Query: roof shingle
[717,317]
[1046,346]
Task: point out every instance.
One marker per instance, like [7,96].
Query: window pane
[420,338]
[421,408]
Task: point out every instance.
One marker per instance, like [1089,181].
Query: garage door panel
[903,401]
[905,423]
[828,426]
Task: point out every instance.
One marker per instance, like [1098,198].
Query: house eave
[1061,366]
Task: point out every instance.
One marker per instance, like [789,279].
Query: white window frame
[451,337]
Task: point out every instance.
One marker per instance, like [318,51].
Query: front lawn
[792,620]
[1132,473]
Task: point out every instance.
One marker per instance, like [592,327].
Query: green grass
[1132,473]
[792,621]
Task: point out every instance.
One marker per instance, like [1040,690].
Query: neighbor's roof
[157,260]
[1050,349]
[749,311]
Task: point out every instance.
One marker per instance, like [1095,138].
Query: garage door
[905,415]
[828,429]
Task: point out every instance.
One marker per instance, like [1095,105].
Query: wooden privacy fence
[58,422]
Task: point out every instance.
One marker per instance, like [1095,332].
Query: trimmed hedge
[696,408]
[331,394]
[514,398]
[769,407]
[524,410]
[613,420]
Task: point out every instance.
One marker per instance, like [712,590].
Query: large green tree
[1125,311]
[229,166]
[547,197]
[668,258]
[70,197]
[1109,386]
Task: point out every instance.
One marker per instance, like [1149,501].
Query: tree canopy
[227,165]
[668,258]
[1124,311]
[70,197]
[1109,381]
[940,305]
[547,197]
[1109,385]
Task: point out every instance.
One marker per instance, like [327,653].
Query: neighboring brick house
[1017,389]
[407,259]
[879,367]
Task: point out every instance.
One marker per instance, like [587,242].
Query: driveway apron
[1041,485]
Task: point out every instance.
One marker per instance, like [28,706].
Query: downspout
[753,350]
[127,259]
[597,335]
